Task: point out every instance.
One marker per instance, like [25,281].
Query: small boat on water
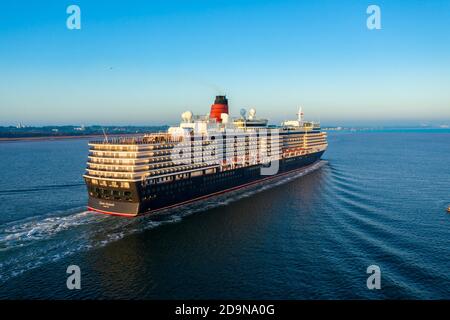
[448,209]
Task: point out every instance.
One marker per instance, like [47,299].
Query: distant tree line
[58,131]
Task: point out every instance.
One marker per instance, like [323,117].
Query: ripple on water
[29,243]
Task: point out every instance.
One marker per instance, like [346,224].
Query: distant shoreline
[46,138]
[100,135]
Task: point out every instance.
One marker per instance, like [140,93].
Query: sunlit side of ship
[202,157]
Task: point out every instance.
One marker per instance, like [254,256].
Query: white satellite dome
[186,116]
[252,113]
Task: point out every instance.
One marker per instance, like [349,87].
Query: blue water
[379,198]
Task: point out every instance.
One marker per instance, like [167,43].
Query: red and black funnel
[220,106]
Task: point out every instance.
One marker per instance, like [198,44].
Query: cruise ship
[204,156]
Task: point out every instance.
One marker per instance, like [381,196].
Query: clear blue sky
[144,62]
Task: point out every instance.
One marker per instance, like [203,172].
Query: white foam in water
[13,234]
[36,241]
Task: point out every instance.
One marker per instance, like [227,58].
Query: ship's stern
[114,173]
[117,208]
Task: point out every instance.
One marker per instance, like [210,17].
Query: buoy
[448,209]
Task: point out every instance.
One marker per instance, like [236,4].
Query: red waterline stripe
[128,215]
[199,198]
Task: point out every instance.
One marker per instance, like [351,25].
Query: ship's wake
[36,241]
[41,188]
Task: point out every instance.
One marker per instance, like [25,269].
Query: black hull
[153,198]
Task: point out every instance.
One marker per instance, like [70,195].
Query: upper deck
[147,139]
[201,142]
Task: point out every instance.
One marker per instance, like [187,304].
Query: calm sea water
[379,198]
